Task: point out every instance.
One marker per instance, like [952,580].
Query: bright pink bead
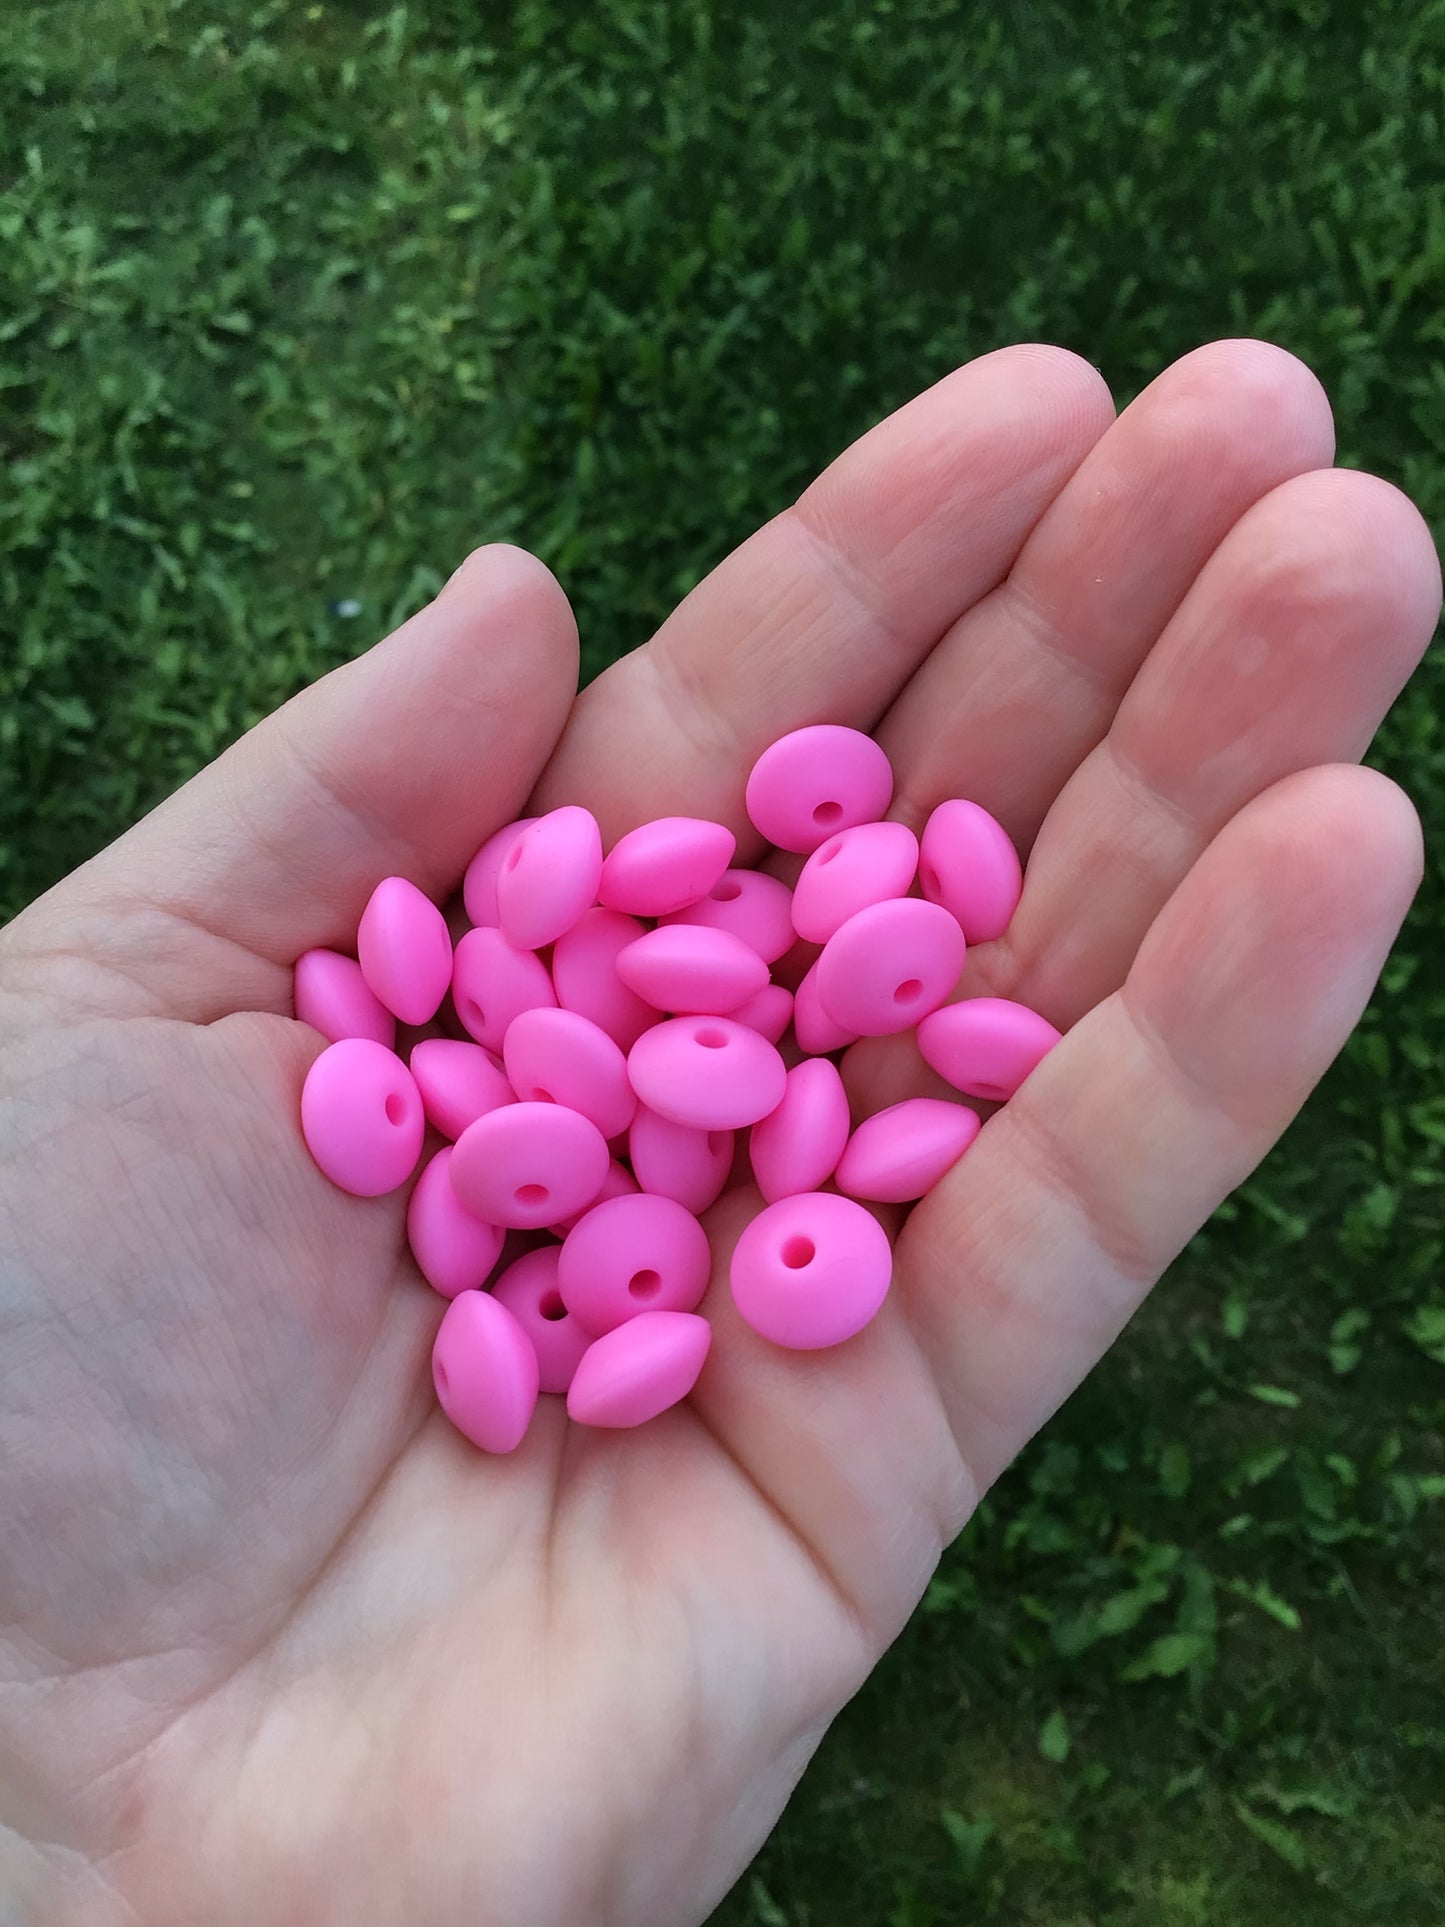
[665,865]
[630,1255]
[816,781]
[857,867]
[637,1370]
[332,996]
[454,1251]
[405,950]
[748,904]
[797,1147]
[889,966]
[549,877]
[362,1118]
[485,1372]
[529,1165]
[493,983]
[559,1057]
[529,1291]
[619,1183]
[584,973]
[690,969]
[811,1271]
[899,1154]
[708,1072]
[678,1161]
[814,1029]
[458,1083]
[479,885]
[769,1013]
[987,1046]
[968,864]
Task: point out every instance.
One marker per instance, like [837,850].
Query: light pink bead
[814,1029]
[559,1057]
[708,1072]
[529,1291]
[678,1161]
[549,877]
[899,1154]
[987,1046]
[584,973]
[889,966]
[748,904]
[332,996]
[479,885]
[619,1183]
[815,781]
[811,1271]
[630,1255]
[485,1372]
[968,864]
[797,1147]
[769,1013]
[454,1251]
[691,969]
[493,983]
[405,950]
[362,1118]
[637,1370]
[458,1083]
[529,1165]
[857,867]
[665,865]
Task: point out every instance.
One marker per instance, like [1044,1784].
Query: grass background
[298,302]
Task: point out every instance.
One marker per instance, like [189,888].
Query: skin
[275,1644]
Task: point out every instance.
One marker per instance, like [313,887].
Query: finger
[829,608]
[1025,1263]
[1297,637]
[1023,687]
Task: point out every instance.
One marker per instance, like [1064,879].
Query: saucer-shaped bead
[631,1255]
[797,1147]
[899,1154]
[689,969]
[362,1117]
[527,1165]
[679,1161]
[986,1046]
[969,865]
[493,982]
[454,1251]
[811,1271]
[816,781]
[333,996]
[549,877]
[479,885]
[749,904]
[868,864]
[485,1372]
[561,1057]
[405,950]
[584,974]
[638,1370]
[665,865]
[889,966]
[458,1082]
[707,1072]
[528,1289]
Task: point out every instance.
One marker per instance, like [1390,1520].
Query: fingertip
[499,578]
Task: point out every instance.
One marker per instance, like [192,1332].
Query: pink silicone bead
[458,1083]
[769,1013]
[968,864]
[987,1046]
[708,1072]
[748,904]
[678,1161]
[639,1369]
[559,1057]
[665,865]
[889,966]
[811,1271]
[814,1029]
[619,1183]
[362,1118]
[493,983]
[690,969]
[899,1154]
[584,973]
[857,867]
[528,1289]
[630,1255]
[816,781]
[485,1372]
[549,877]
[479,885]
[529,1164]
[332,996]
[405,950]
[453,1250]
[797,1147]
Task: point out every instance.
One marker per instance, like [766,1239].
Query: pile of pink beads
[625,1025]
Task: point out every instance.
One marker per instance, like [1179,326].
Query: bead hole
[717,1143]
[551,1308]
[530,1194]
[930,881]
[396,1108]
[440,1374]
[728,891]
[539,1096]
[710,1039]
[994,1093]
[827,813]
[644,1284]
[833,849]
[798,1252]
[908,990]
[472,1013]
[514,855]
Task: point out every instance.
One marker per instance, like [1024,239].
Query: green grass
[297,303]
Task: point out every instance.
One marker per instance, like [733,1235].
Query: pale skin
[275,1644]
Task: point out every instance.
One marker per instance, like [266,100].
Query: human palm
[276,1644]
